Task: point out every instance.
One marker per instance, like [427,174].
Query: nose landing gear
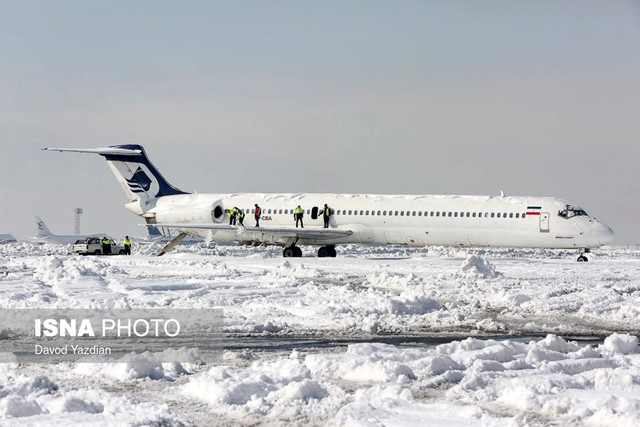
[582,257]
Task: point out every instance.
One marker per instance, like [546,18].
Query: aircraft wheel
[582,258]
[323,252]
[289,252]
[332,251]
[297,252]
[97,252]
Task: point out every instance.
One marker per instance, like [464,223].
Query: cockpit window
[570,211]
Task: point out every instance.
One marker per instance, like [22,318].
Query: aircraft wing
[260,233]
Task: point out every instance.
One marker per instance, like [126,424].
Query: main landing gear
[327,251]
[292,251]
[295,252]
[582,257]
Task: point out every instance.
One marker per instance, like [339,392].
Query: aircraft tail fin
[43,230]
[133,170]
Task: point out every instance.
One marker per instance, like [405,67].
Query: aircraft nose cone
[605,233]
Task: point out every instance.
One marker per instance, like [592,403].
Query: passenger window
[511,215]
[350,212]
[498,214]
[280,212]
[449,213]
[360,212]
[474,215]
[468,214]
[493,214]
[437,213]
[367,213]
[504,215]
[431,214]
[378,213]
[396,213]
[455,214]
[414,213]
[401,213]
[384,213]
[355,212]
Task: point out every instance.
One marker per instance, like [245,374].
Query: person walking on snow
[127,245]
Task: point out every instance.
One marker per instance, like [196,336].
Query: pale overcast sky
[403,97]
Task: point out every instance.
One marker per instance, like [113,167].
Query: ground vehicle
[93,246]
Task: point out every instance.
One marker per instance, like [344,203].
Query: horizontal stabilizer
[103,151]
[139,179]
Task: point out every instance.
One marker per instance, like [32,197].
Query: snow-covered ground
[430,336]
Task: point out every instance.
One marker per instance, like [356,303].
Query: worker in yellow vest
[326,215]
[298,214]
[127,245]
[232,216]
[106,246]
[240,216]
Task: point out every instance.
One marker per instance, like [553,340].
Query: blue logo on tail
[139,182]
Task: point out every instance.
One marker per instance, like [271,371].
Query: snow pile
[275,391]
[363,363]
[477,267]
[621,343]
[143,365]
[61,271]
[394,405]
[473,381]
[38,401]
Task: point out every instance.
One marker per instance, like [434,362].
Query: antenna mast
[77,212]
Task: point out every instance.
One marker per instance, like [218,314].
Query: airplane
[46,236]
[7,238]
[417,220]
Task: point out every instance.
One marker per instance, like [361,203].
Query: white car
[93,246]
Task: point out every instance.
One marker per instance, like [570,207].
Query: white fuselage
[531,222]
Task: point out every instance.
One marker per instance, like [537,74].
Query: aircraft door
[544,222]
[314,213]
